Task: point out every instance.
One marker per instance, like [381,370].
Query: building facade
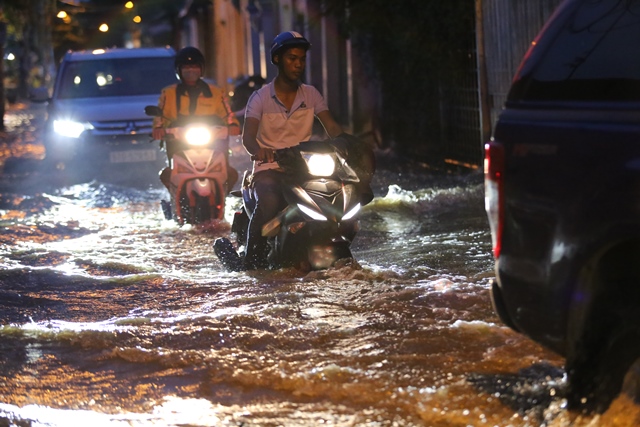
[236,35]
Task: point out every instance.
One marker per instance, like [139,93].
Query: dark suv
[96,114]
[562,182]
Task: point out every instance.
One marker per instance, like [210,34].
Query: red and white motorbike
[198,171]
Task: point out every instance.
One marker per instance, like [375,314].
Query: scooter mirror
[153,110]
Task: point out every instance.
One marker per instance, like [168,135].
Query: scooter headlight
[320,164]
[198,136]
[313,214]
[352,212]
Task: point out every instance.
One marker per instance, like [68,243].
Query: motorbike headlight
[320,164]
[351,213]
[198,136]
[313,214]
[70,128]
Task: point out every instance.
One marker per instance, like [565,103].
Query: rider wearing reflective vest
[193,101]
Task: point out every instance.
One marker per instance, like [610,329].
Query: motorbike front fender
[201,187]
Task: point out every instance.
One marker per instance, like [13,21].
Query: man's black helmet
[287,40]
[188,55]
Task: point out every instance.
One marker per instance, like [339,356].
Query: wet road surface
[112,315]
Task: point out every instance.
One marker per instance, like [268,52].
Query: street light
[64,16]
[103,27]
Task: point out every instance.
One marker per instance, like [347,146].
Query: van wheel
[51,165]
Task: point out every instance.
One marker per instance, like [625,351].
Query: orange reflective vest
[176,103]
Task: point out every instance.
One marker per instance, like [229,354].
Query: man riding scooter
[278,115]
[192,101]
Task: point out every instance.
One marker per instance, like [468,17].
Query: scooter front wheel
[202,212]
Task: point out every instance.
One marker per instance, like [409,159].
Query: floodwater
[111,315]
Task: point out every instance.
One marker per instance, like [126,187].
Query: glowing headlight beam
[351,213]
[69,128]
[321,165]
[197,136]
[313,214]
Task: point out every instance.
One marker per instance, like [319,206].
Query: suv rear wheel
[596,373]
[606,330]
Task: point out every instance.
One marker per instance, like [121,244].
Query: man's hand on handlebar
[234,130]
[264,155]
[158,133]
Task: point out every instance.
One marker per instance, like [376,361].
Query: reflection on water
[111,315]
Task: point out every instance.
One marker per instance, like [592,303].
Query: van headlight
[320,164]
[70,128]
[198,136]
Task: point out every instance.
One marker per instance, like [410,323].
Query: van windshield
[116,77]
[594,57]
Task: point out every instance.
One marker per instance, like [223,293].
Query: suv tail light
[493,191]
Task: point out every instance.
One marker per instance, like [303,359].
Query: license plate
[133,156]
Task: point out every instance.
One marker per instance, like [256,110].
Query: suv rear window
[594,57]
[115,77]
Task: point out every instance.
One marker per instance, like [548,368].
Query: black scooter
[324,195]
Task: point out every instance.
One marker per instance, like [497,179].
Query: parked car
[96,115]
[562,182]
